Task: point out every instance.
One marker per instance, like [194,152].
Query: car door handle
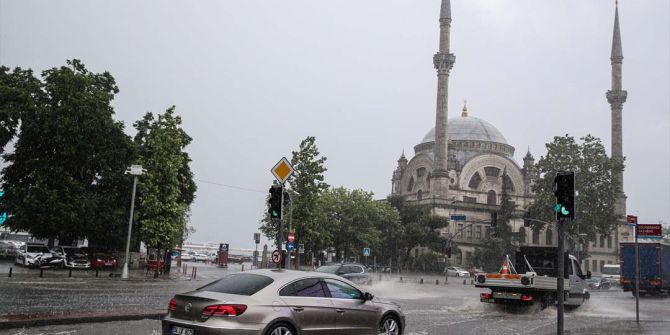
[339,311]
[298,309]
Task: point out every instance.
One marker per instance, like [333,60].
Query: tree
[20,93]
[69,155]
[353,220]
[166,190]
[596,190]
[502,240]
[420,227]
[304,187]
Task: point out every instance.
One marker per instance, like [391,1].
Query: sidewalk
[29,300]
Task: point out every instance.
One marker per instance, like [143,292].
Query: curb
[45,319]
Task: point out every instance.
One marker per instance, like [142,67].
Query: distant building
[458,168]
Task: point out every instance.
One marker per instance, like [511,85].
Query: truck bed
[495,281]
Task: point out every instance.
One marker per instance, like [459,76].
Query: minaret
[616,97]
[443,62]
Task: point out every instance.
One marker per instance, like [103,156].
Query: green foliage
[20,93]
[305,186]
[167,189]
[595,188]
[62,179]
[419,226]
[353,220]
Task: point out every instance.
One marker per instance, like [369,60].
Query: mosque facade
[459,166]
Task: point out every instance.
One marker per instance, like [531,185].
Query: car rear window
[240,284]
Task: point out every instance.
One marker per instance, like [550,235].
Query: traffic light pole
[561,275]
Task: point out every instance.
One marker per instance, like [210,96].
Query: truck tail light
[626,281]
[173,305]
[485,295]
[526,298]
[224,310]
[655,282]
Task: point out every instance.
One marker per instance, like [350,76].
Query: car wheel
[389,326]
[281,329]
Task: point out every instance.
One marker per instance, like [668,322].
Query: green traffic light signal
[564,191]
[274,202]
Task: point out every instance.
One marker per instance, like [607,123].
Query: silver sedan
[281,302]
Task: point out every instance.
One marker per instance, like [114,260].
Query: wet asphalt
[429,308]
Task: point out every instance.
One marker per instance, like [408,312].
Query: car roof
[283,275]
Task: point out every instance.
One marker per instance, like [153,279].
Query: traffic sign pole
[282,171]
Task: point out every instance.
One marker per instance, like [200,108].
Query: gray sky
[253,78]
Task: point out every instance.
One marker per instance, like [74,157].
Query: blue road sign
[290,246]
[366,252]
[458,217]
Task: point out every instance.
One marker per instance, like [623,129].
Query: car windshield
[611,270]
[240,284]
[38,248]
[328,268]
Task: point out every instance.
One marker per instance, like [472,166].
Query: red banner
[631,219]
[649,230]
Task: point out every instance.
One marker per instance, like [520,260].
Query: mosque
[458,168]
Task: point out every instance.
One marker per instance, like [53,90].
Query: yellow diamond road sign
[282,170]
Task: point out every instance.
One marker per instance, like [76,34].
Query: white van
[612,271]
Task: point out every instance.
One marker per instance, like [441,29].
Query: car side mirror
[588,274]
[368,296]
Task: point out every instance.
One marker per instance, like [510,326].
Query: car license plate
[176,330]
[487,300]
[108,263]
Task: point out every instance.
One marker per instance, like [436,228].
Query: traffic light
[494,219]
[564,190]
[274,203]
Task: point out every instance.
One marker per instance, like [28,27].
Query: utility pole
[134,170]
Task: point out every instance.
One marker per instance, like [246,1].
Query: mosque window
[419,195]
[609,242]
[536,236]
[410,186]
[475,181]
[492,171]
[549,237]
[522,235]
[492,198]
[420,172]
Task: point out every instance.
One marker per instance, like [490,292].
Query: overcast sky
[253,78]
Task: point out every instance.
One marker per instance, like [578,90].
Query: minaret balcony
[443,62]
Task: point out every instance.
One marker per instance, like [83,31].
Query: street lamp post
[135,170]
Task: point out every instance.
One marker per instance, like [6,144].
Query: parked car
[200,257]
[37,255]
[101,258]
[187,257]
[74,258]
[354,272]
[281,302]
[455,271]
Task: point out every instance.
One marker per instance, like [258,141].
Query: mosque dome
[468,128]
[468,136]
